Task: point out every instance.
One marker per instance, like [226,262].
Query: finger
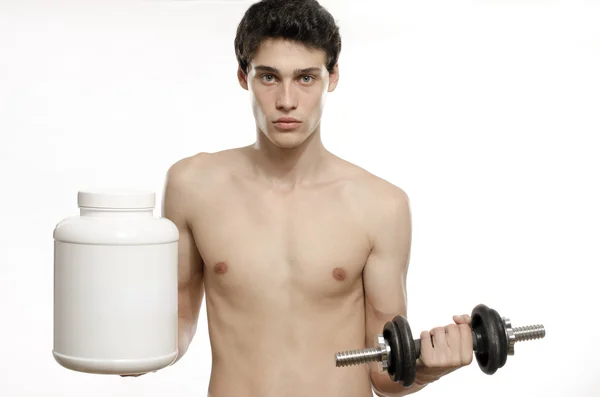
[466,344]
[454,348]
[453,336]
[439,338]
[467,319]
[462,319]
[426,348]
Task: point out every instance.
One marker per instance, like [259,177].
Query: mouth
[287,123]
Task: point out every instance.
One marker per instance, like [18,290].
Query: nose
[286,97]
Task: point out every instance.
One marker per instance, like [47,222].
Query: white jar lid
[116,198]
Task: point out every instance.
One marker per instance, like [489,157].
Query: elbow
[378,383]
[383,386]
[377,388]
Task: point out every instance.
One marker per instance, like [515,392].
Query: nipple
[339,274]
[221,268]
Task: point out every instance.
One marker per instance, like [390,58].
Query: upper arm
[176,207]
[385,272]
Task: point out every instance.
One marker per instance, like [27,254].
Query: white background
[485,112]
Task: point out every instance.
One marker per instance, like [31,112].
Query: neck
[287,167]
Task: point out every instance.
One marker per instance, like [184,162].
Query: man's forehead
[288,56]
[316,69]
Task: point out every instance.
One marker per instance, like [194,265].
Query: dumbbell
[396,352]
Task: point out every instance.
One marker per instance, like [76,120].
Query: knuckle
[427,359]
[433,362]
[457,361]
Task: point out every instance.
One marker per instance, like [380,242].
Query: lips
[287,120]
[287,123]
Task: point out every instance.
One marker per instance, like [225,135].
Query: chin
[287,139]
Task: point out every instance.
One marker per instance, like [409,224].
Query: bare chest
[311,244]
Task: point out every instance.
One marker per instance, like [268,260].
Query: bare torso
[283,277]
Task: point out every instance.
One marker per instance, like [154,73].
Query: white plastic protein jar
[115,285]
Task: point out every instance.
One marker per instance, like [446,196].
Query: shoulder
[384,209]
[382,206]
[202,168]
[388,205]
[374,193]
[199,176]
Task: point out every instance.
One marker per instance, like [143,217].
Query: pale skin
[298,253]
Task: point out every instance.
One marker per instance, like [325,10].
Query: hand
[444,350]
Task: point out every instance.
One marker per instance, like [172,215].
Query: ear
[334,78]
[242,78]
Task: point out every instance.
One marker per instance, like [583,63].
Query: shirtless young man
[299,253]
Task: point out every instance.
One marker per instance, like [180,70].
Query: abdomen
[278,350]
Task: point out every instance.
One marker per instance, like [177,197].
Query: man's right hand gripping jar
[115,285]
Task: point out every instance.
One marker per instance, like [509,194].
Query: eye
[307,79]
[268,78]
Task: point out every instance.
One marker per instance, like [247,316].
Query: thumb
[462,319]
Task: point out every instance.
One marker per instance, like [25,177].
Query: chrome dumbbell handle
[380,353]
[396,351]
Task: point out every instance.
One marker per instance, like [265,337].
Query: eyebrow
[271,69]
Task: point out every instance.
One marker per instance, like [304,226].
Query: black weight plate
[484,322]
[391,335]
[409,352]
[502,338]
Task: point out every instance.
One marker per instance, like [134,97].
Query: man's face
[288,80]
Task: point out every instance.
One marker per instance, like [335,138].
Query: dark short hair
[301,21]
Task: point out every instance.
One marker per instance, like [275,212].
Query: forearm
[186,332]
[189,301]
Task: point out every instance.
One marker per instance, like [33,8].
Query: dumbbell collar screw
[510,336]
[385,350]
